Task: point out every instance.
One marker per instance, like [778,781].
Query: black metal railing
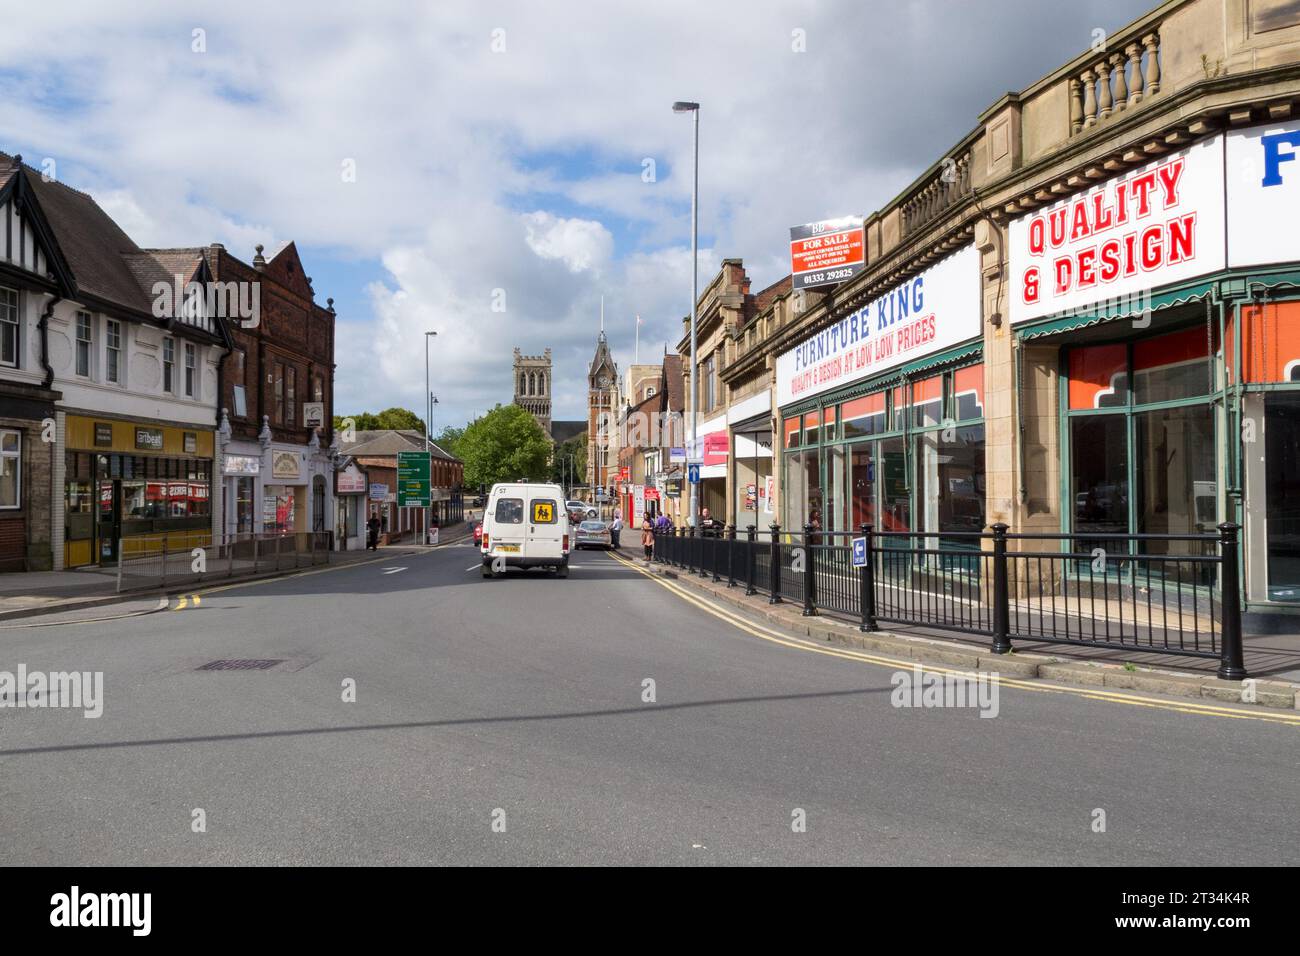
[1161,593]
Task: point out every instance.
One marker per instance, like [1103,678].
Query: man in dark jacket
[372,527]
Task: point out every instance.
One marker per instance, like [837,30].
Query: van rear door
[546,524]
[507,528]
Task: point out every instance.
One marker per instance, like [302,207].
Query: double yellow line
[1038,687]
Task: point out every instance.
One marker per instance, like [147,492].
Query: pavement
[416,713]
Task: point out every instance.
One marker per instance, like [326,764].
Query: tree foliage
[388,418]
[562,472]
[506,444]
[449,438]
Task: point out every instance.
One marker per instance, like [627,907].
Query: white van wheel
[562,571]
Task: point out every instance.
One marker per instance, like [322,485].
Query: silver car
[592,534]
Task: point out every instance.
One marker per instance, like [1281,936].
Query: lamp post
[686,107]
[428,424]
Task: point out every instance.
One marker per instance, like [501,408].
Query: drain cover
[240,664]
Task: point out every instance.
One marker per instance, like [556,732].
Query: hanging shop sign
[1158,224]
[313,414]
[827,252]
[934,310]
[1263,166]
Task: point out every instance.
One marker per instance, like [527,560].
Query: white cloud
[581,244]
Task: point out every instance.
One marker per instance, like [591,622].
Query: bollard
[1232,664]
[868,595]
[1001,597]
[809,574]
[775,589]
[751,532]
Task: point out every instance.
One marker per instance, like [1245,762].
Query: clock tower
[602,416]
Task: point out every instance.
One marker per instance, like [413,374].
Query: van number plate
[507,549]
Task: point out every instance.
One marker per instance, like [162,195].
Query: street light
[428,424]
[682,106]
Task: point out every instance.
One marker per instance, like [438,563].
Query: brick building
[277,401]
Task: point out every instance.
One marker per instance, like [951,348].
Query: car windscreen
[509,511]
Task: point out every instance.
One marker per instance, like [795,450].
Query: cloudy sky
[432,159]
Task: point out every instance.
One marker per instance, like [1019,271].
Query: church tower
[533,387]
[602,415]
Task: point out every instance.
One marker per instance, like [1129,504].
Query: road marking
[161,606]
[182,604]
[1113,697]
[393,570]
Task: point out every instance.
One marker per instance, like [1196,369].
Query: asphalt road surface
[507,721]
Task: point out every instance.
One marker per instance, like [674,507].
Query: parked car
[582,508]
[593,534]
[525,526]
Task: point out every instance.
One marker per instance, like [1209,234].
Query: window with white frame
[11,443]
[191,369]
[113,351]
[85,343]
[169,365]
[9,328]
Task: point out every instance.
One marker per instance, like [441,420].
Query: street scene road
[508,721]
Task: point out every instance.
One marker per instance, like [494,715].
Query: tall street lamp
[682,106]
[428,424]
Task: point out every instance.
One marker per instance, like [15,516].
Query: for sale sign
[827,252]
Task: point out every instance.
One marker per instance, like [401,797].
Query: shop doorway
[1282,495]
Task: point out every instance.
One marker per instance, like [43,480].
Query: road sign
[413,479]
[693,473]
[859,552]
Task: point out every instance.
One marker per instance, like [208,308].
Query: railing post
[731,555]
[868,581]
[1001,594]
[119,562]
[751,532]
[809,574]
[715,543]
[1232,665]
[164,571]
[255,550]
[775,590]
[700,569]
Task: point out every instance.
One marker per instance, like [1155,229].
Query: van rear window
[509,511]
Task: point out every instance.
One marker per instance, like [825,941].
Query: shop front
[750,425]
[882,413]
[1166,302]
[130,485]
[714,444]
[351,484]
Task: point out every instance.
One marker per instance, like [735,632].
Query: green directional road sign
[413,479]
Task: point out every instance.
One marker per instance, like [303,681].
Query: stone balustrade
[945,188]
[1119,79]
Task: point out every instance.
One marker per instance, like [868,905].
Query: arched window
[523,384]
[541,380]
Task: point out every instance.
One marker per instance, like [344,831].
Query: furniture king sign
[932,311]
[1156,225]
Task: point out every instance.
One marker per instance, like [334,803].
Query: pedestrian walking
[648,537]
[615,527]
[372,527]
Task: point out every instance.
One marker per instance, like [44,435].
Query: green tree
[506,444]
[449,438]
[388,418]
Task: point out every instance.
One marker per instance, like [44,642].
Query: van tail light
[485,540]
[566,542]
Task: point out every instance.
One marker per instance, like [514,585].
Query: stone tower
[533,386]
[602,414]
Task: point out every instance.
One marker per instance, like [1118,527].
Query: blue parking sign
[859,552]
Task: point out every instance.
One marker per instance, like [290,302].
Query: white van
[526,526]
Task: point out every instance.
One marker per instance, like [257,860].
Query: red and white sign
[715,448]
[1155,225]
[827,252]
[932,311]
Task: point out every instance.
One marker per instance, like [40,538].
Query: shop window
[10,327]
[1282,494]
[895,510]
[1172,366]
[950,487]
[863,416]
[811,428]
[1099,483]
[1270,343]
[927,401]
[1098,376]
[11,443]
[862,485]
[968,393]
